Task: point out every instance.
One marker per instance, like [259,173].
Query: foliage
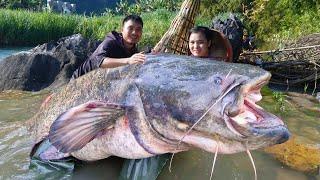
[283,19]
[279,97]
[93,6]
[141,6]
[222,8]
[214,7]
[155,25]
[22,4]
[97,27]
[32,28]
[272,21]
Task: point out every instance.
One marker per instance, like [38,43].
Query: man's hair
[202,29]
[134,18]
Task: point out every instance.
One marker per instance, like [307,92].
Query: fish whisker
[228,73]
[214,161]
[252,162]
[204,114]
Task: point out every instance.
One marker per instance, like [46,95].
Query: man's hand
[137,58]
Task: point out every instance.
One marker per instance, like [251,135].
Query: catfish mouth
[250,119]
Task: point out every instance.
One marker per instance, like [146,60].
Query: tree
[35,5]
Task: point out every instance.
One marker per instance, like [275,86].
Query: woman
[200,41]
[209,43]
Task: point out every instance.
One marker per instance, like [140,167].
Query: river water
[5,52]
[16,107]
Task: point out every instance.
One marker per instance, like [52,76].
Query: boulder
[297,155]
[302,151]
[46,66]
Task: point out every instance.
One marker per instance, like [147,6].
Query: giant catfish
[168,104]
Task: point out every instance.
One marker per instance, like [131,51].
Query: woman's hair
[202,29]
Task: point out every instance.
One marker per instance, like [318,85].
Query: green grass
[30,28]
[155,25]
[291,29]
[33,28]
[280,21]
[25,28]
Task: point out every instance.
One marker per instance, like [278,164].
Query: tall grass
[155,25]
[18,27]
[33,28]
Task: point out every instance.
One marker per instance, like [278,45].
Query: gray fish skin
[162,99]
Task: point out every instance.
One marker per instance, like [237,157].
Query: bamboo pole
[281,50]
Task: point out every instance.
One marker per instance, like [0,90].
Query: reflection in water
[16,107]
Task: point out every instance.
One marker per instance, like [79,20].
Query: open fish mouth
[246,125]
[252,120]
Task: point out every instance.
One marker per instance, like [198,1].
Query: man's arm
[116,62]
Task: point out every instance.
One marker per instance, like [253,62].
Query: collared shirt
[112,47]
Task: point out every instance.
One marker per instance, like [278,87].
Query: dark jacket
[111,47]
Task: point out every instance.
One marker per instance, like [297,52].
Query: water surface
[7,51]
[16,107]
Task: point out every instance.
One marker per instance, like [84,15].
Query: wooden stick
[280,50]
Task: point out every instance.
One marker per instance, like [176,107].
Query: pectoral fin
[76,127]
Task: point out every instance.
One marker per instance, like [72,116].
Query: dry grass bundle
[175,40]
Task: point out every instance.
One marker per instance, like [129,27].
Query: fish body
[169,104]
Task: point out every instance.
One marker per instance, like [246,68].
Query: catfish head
[209,104]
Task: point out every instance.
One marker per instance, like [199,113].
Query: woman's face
[199,45]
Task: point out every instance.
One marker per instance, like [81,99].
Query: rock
[306,101]
[48,65]
[297,155]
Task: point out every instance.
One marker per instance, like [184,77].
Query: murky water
[16,107]
[5,52]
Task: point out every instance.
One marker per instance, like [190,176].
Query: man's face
[131,32]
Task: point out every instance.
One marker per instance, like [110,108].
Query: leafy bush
[277,20]
[272,21]
[19,4]
[141,6]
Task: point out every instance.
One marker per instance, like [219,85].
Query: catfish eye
[217,81]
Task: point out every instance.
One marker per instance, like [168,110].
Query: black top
[112,47]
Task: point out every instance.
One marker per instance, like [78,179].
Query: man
[119,49]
